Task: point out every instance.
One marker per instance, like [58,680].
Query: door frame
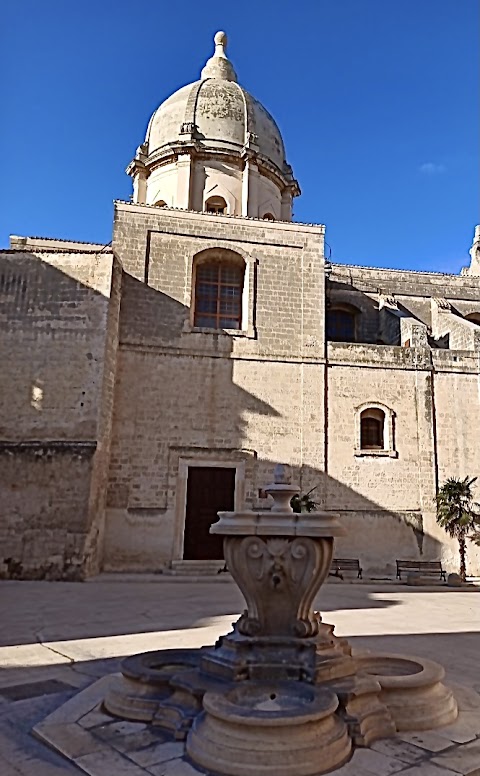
[181,493]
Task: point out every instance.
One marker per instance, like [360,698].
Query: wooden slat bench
[427,567]
[345,564]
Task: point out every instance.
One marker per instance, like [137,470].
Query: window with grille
[218,295]
[340,326]
[372,422]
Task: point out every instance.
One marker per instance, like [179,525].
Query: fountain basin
[145,682]
[270,729]
[412,689]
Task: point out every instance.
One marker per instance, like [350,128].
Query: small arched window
[160,203]
[473,318]
[341,324]
[218,294]
[372,429]
[216,205]
[268,217]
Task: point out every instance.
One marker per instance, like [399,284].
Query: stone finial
[219,66]
[387,300]
[474,251]
[282,489]
[282,474]
[220,39]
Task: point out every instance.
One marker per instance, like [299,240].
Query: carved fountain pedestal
[280,695]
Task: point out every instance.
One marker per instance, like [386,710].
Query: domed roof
[225,116]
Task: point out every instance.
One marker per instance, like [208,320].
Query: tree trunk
[463,568]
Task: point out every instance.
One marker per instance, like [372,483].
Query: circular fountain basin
[267,704]
[145,682]
[270,729]
[412,689]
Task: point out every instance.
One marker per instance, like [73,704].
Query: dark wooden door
[209,490]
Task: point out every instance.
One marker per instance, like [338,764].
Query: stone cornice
[294,226]
[169,155]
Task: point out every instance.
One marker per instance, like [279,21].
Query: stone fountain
[280,695]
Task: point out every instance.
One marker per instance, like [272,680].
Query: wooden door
[209,490]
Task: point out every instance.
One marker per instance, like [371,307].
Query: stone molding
[388,436]
[82,449]
[181,489]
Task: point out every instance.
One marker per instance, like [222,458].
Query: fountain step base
[315,659]
[367,717]
[104,747]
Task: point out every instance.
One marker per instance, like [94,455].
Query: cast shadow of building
[108,391]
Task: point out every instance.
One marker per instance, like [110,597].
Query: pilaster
[184,181]
[250,189]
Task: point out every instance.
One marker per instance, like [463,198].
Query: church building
[152,382]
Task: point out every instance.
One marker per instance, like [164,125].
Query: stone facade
[111,392]
[59,324]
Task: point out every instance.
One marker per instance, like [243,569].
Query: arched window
[474,318]
[268,217]
[341,324]
[216,205]
[218,292]
[372,429]
[160,203]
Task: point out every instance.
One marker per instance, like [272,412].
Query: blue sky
[377,101]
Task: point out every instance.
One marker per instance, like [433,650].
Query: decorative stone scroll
[279,578]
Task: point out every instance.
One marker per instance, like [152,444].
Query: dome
[213,147]
[223,112]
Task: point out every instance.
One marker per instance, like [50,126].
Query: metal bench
[345,564]
[427,567]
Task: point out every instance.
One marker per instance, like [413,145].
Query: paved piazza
[59,638]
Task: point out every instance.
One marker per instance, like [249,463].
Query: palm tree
[456,513]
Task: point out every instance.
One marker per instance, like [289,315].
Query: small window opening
[218,295]
[216,205]
[340,326]
[268,217]
[372,424]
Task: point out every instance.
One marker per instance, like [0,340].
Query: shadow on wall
[178,394]
[55,336]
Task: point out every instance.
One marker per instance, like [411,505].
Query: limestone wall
[186,394]
[363,287]
[273,395]
[110,392]
[383,498]
[457,411]
[53,339]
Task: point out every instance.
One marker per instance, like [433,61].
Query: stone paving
[59,638]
